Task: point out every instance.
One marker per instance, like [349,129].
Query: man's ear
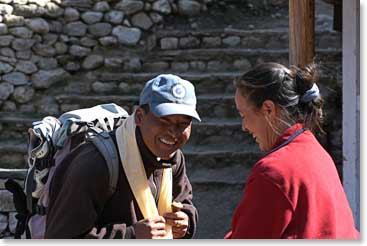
[139,114]
[268,108]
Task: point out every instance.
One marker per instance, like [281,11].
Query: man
[152,174]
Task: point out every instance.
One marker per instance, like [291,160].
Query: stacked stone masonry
[60,55]
[42,42]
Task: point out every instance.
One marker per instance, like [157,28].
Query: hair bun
[310,94]
[305,78]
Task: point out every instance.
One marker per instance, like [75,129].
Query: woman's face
[255,121]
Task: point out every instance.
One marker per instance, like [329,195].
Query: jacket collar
[287,133]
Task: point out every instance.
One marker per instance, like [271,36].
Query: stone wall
[44,42]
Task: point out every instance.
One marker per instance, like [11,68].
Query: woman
[294,191]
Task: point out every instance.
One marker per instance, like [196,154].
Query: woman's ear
[268,108]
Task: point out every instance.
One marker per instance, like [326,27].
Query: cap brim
[165,109]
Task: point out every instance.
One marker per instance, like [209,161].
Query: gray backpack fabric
[50,141]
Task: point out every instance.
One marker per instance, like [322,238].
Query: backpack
[50,141]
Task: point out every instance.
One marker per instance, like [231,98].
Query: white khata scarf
[134,169]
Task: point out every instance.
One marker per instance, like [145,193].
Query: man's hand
[110,231]
[150,228]
[94,234]
[179,222]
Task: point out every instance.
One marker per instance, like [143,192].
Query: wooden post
[338,16]
[301,32]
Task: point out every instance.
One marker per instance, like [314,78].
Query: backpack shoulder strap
[106,146]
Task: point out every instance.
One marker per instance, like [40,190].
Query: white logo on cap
[178,91]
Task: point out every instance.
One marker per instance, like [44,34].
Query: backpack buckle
[38,146]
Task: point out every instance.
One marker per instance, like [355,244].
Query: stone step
[13,154]
[229,37]
[222,155]
[13,146]
[231,53]
[218,132]
[217,151]
[13,173]
[6,201]
[209,131]
[217,59]
[218,167]
[234,174]
[18,175]
[216,204]
[14,126]
[208,105]
[213,106]
[221,163]
[132,83]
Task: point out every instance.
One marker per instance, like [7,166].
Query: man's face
[163,135]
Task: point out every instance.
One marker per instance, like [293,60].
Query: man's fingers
[158,226]
[93,233]
[117,230]
[158,233]
[113,234]
[178,234]
[172,216]
[179,231]
[102,233]
[159,219]
[176,223]
[176,216]
[179,226]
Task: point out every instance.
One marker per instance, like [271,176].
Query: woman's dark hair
[287,89]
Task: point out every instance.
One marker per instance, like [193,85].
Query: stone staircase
[219,155]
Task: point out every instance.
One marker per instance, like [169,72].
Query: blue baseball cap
[168,94]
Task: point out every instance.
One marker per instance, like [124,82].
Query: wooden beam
[301,32]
